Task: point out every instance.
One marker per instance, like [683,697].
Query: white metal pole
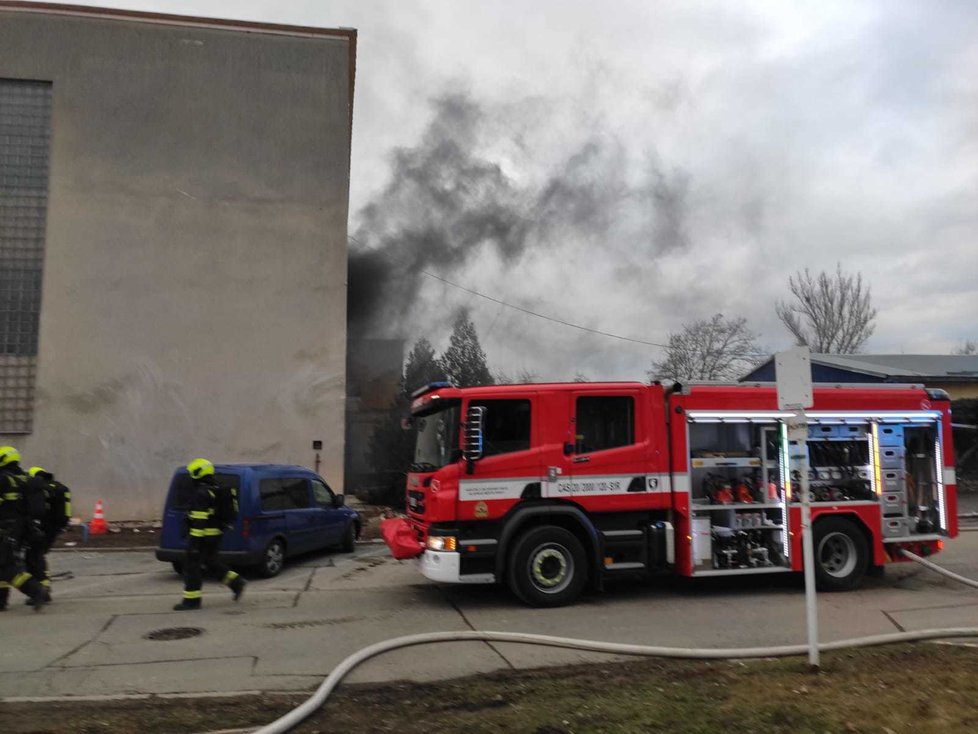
[808,548]
[793,368]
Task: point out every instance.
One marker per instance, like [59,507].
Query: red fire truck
[551,488]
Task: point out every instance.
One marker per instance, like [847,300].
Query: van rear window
[183,488]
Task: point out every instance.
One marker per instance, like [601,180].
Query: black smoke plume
[448,199]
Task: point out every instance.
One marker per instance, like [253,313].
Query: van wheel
[177,567]
[273,559]
[547,567]
[349,543]
[841,554]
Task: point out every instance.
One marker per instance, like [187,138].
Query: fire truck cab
[551,488]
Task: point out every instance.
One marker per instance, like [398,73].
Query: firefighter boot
[41,598]
[187,605]
[237,586]
[4,595]
[46,587]
[37,595]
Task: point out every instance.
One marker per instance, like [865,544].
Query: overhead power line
[540,315]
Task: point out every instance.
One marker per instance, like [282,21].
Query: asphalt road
[289,632]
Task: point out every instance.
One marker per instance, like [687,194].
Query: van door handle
[581,459]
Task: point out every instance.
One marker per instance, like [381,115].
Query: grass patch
[890,690]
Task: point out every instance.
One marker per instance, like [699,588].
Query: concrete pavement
[287,633]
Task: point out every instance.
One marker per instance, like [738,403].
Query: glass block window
[25,143]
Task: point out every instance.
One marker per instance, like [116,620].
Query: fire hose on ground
[943,571]
[314,702]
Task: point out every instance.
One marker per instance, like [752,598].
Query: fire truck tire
[547,567]
[841,554]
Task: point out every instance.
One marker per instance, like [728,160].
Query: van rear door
[178,503]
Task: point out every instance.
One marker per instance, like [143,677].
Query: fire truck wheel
[547,567]
[841,554]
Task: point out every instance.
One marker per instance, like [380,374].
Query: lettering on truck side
[611,486]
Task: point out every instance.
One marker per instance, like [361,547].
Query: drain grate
[173,633]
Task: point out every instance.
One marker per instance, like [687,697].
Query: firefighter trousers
[203,553]
[36,560]
[13,575]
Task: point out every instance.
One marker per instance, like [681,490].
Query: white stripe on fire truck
[595,485]
[470,490]
[680,483]
[582,486]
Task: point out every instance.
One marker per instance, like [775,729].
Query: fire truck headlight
[441,542]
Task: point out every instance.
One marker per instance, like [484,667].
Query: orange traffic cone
[97,526]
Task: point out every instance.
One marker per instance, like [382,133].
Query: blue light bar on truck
[429,387]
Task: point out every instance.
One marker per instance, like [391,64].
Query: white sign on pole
[793,372]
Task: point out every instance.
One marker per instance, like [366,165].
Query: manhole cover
[173,633]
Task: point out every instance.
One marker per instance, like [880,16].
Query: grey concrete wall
[194,293]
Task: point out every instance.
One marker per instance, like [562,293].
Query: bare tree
[832,315]
[714,349]
[968,348]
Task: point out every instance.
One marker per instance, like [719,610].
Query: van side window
[272,495]
[322,494]
[604,422]
[297,491]
[283,494]
[507,426]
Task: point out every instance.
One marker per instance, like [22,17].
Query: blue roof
[887,367]
[260,467]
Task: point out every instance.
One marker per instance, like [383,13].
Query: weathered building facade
[173,216]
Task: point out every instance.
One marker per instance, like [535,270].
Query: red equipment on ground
[400,538]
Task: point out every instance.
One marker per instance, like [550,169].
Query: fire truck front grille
[416,502]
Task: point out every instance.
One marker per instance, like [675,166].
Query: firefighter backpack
[226,511]
[58,503]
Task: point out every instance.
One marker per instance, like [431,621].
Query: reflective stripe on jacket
[201,517]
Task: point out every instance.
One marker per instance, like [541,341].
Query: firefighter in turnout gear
[210,511]
[21,513]
[57,515]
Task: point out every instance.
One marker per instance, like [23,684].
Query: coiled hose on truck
[314,702]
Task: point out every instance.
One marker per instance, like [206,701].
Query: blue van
[283,511]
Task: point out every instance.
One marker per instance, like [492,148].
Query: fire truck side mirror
[472,441]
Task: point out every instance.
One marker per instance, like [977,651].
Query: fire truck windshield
[437,438]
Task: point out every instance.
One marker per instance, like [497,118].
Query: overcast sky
[631,166]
